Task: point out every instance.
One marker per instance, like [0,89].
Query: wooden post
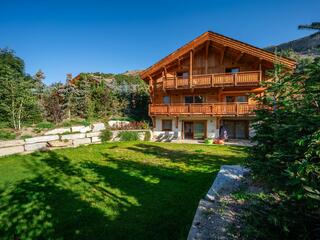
[206,57]
[163,79]
[190,68]
[175,80]
[260,71]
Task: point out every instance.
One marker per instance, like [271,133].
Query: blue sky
[63,37]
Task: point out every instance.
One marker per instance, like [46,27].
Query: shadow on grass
[108,199]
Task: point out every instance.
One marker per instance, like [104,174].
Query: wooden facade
[212,75]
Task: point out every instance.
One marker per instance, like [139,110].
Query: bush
[147,136]
[106,135]
[44,125]
[128,136]
[6,135]
[130,126]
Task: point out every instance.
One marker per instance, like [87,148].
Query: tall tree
[17,99]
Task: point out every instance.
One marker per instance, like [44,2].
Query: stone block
[35,146]
[58,131]
[81,129]
[73,136]
[42,139]
[11,150]
[11,143]
[93,134]
[95,139]
[227,180]
[57,143]
[96,127]
[78,142]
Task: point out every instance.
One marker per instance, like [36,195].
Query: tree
[18,101]
[286,155]
[312,26]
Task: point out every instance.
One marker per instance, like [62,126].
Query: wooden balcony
[217,109]
[249,78]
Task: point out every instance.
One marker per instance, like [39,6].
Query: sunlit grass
[128,190]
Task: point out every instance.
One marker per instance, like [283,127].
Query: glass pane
[167,125]
[198,99]
[240,130]
[229,99]
[241,99]
[232,70]
[185,75]
[166,99]
[229,126]
[198,130]
[188,99]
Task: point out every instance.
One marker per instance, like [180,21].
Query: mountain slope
[309,45]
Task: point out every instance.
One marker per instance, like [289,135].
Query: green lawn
[127,190]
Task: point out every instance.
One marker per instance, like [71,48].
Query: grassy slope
[130,190]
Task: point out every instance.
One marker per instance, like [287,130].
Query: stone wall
[60,138]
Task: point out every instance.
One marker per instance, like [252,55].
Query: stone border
[61,138]
[227,181]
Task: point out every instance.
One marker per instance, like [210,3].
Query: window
[232,70]
[166,125]
[166,100]
[184,75]
[198,99]
[193,99]
[242,99]
[229,98]
[188,99]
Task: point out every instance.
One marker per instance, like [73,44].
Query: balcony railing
[218,109]
[249,78]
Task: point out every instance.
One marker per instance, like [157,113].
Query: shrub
[130,126]
[106,135]
[147,136]
[44,125]
[128,136]
[6,135]
[25,136]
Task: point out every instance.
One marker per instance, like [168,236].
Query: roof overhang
[222,40]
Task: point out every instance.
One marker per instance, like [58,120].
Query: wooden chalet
[207,83]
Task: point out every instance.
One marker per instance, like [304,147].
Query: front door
[188,130]
[199,130]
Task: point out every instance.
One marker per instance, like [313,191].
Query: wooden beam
[260,69]
[206,57]
[223,50]
[165,72]
[239,57]
[191,68]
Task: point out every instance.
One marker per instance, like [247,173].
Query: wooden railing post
[212,79]
[235,78]
[237,113]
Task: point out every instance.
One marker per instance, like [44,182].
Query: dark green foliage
[18,101]
[106,135]
[147,136]
[287,155]
[6,135]
[129,136]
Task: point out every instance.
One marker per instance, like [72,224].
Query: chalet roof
[226,42]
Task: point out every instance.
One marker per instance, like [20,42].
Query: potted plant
[208,141]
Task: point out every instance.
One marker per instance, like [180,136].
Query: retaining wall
[61,138]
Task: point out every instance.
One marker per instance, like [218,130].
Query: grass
[125,190]
[7,135]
